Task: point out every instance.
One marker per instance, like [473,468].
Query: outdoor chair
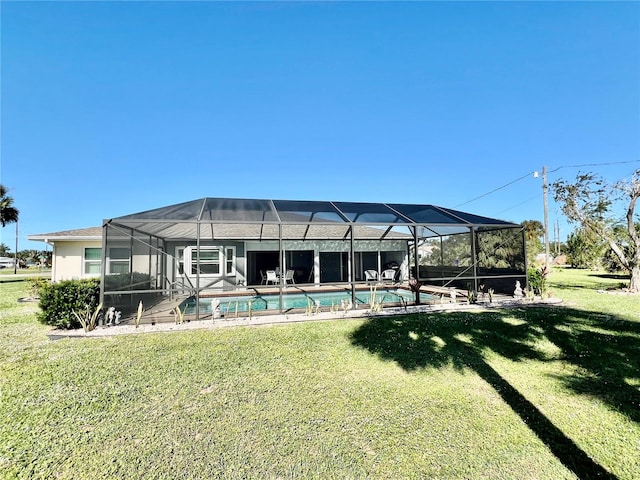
[263,278]
[288,277]
[271,277]
[388,276]
[370,276]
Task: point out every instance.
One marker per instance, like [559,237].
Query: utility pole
[15,257]
[545,193]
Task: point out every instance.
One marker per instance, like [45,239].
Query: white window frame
[122,261]
[230,261]
[180,259]
[226,260]
[87,262]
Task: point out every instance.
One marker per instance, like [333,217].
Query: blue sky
[111,108]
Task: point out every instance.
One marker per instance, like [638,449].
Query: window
[119,259]
[213,260]
[180,260]
[209,261]
[92,261]
[230,258]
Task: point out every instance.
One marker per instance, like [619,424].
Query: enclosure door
[334,267]
[258,261]
[301,262]
[365,261]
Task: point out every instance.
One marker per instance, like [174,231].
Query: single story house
[7,262]
[220,246]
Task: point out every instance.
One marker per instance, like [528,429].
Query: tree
[592,203]
[584,249]
[610,260]
[451,250]
[500,249]
[4,250]
[533,230]
[8,214]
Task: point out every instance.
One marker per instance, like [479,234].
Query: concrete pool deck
[243,320]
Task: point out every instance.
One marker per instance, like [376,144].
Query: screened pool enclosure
[216,247]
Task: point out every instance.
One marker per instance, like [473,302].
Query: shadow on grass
[606,349]
[612,276]
[601,281]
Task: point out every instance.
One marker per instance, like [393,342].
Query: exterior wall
[226,281]
[319,246]
[68,256]
[68,260]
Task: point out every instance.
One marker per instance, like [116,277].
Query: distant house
[7,262]
[217,246]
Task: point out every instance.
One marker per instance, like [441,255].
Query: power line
[549,171]
[518,204]
[495,190]
[594,165]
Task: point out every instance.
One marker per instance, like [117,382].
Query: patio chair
[388,276]
[288,277]
[263,278]
[370,276]
[271,277]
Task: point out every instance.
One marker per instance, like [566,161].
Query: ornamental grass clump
[139,314]
[374,304]
[178,315]
[88,320]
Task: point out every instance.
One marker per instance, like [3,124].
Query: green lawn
[7,272]
[530,393]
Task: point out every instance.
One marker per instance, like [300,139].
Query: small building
[7,262]
[219,247]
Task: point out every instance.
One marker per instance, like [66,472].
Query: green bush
[59,300]
[127,281]
[35,284]
[538,280]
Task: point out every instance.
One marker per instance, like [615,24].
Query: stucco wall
[68,260]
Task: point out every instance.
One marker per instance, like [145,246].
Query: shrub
[59,300]
[35,284]
[538,280]
[127,281]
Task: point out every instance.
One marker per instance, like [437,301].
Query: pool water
[299,300]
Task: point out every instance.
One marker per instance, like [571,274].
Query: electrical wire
[535,197]
[549,171]
[496,189]
[594,165]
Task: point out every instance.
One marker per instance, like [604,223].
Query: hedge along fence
[59,300]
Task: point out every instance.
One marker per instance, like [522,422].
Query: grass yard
[7,273]
[529,393]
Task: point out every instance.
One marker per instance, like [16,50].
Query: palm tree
[8,213]
[533,229]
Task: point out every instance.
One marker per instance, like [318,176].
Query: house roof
[226,218]
[79,234]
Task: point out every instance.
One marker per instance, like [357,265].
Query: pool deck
[164,311]
[244,320]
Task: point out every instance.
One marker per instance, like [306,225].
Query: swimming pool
[299,300]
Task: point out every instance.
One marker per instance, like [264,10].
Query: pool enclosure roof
[261,219]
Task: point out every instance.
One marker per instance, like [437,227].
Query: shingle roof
[91,233]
